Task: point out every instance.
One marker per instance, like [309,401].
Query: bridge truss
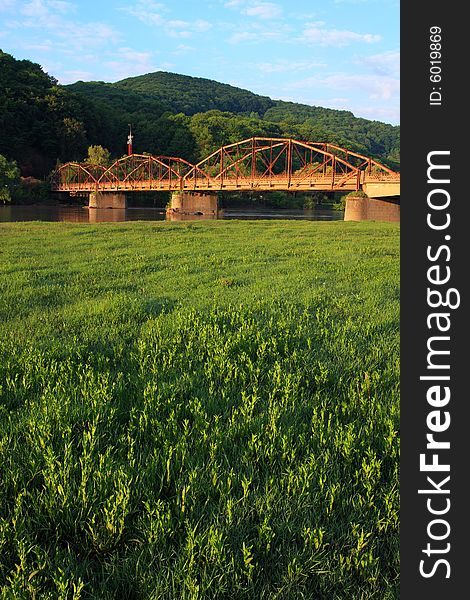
[256,163]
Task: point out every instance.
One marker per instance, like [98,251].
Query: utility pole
[129,141]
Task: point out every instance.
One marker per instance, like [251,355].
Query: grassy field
[199,411]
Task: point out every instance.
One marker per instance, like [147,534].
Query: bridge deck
[320,184]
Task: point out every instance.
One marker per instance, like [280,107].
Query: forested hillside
[191,95]
[43,122]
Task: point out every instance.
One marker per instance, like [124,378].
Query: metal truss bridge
[254,164]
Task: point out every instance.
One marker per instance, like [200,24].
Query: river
[78,214]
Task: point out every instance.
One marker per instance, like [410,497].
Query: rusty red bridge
[253,164]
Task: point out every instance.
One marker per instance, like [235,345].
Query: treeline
[43,122]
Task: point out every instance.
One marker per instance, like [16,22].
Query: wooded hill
[43,122]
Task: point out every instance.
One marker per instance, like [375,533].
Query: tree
[9,178]
[72,138]
[97,155]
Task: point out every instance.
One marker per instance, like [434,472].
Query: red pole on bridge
[129,141]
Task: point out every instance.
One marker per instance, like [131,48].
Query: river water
[78,214]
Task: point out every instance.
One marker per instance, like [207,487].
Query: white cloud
[263,10]
[304,17]
[134,55]
[243,36]
[250,36]
[386,63]
[48,18]
[286,66]
[6,5]
[256,8]
[46,46]
[150,13]
[376,87]
[185,29]
[63,7]
[183,49]
[128,62]
[35,8]
[44,8]
[89,35]
[317,34]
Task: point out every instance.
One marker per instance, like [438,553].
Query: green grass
[199,411]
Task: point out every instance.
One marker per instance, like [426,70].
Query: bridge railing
[375,176]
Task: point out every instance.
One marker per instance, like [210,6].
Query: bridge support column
[107,200]
[190,203]
[371,209]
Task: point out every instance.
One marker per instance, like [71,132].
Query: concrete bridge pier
[193,203]
[107,200]
[372,209]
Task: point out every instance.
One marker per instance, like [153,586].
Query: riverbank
[200,410]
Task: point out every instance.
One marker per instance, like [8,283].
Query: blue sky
[334,53]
